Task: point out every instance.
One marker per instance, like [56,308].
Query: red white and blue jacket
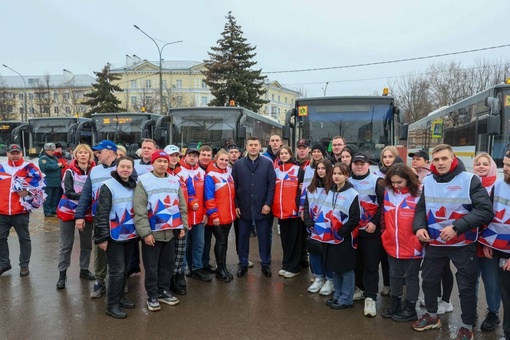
[196,175]
[286,191]
[162,201]
[219,194]
[446,202]
[122,226]
[398,238]
[19,176]
[497,234]
[67,207]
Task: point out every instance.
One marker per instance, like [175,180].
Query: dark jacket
[254,182]
[482,212]
[102,217]
[50,168]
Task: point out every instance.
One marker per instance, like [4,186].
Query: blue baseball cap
[105,144]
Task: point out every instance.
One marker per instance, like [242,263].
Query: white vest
[122,227]
[98,175]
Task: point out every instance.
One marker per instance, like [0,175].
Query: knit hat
[319,147]
[159,154]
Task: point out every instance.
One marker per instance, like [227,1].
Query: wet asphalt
[252,307]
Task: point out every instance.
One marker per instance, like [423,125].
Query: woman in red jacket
[289,176]
[404,250]
[219,193]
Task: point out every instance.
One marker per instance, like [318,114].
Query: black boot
[406,314]
[116,312]
[181,280]
[61,283]
[175,287]
[221,273]
[394,309]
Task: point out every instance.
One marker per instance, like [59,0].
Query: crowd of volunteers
[337,219]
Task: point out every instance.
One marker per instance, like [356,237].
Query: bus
[68,131]
[125,128]
[367,123]
[480,123]
[6,128]
[219,127]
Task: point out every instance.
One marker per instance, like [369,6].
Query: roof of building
[134,63]
[36,81]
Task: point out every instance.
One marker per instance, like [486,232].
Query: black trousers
[367,265]
[291,237]
[504,288]
[464,258]
[220,247]
[158,261]
[118,257]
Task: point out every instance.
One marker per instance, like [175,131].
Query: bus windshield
[366,126]
[121,129]
[50,130]
[216,128]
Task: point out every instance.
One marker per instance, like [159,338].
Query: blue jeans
[344,287]
[195,246]
[318,266]
[489,273]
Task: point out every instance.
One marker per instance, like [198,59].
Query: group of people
[335,216]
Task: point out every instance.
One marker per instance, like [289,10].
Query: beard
[506,178]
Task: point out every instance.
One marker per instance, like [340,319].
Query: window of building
[178,83]
[55,96]
[30,96]
[67,95]
[133,100]
[204,101]
[148,99]
[278,98]
[55,110]
[68,109]
[148,83]
[21,110]
[272,97]
[204,85]
[8,108]
[133,84]
[164,84]
[31,110]
[21,96]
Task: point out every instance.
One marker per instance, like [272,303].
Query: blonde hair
[220,152]
[390,148]
[87,148]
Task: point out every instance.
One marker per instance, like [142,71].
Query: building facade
[46,95]
[183,86]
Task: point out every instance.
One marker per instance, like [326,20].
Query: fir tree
[229,74]
[101,97]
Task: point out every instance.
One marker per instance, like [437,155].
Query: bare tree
[412,93]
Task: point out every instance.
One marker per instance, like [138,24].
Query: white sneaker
[289,275]
[250,264]
[328,288]
[282,272]
[358,295]
[316,285]
[444,307]
[421,302]
[369,307]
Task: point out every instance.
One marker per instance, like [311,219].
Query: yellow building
[183,86]
[46,95]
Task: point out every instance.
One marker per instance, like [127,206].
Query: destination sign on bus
[117,120]
[5,127]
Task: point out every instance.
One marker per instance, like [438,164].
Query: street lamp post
[325,88]
[25,118]
[160,51]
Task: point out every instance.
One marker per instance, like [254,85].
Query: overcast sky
[46,36]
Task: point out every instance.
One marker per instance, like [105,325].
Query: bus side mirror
[493,125]
[157,133]
[494,104]
[286,132]
[404,129]
[241,132]
[288,116]
[400,115]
